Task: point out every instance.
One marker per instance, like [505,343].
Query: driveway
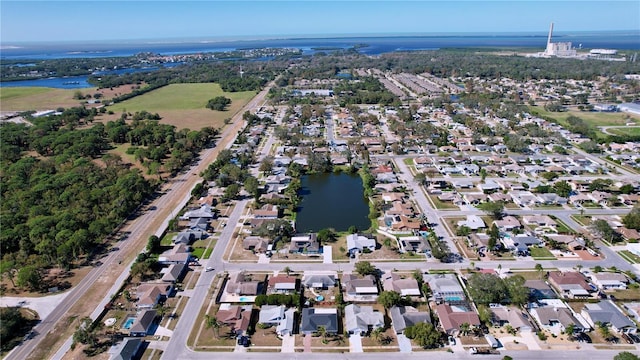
[306,341]
[328,254]
[355,343]
[530,339]
[288,344]
[404,344]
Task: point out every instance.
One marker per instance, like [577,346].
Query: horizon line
[230,38]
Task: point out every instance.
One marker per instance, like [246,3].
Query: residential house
[445,288]
[552,199]
[556,317]
[319,280]
[540,290]
[267,211]
[359,288]
[451,321]
[503,315]
[256,244]
[473,222]
[279,316]
[628,234]
[282,284]
[151,294]
[608,281]
[143,322]
[178,254]
[417,244]
[405,316]
[235,316]
[314,318]
[187,237]
[199,224]
[570,284]
[539,220]
[239,283]
[357,243]
[524,198]
[403,286]
[205,211]
[608,314]
[507,223]
[305,244]
[174,272]
[520,243]
[128,349]
[362,319]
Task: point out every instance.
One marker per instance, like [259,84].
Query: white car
[209,268]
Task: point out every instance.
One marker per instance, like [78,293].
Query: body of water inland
[332,201]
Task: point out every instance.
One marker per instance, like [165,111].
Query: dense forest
[62,194]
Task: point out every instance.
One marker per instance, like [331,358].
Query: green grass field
[7,93]
[632,131]
[591,117]
[180,97]
[35,98]
[629,256]
[540,253]
[183,105]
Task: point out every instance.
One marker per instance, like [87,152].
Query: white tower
[550,50]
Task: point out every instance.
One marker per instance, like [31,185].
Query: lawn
[633,131]
[183,105]
[541,253]
[585,220]
[441,205]
[35,98]
[591,117]
[629,256]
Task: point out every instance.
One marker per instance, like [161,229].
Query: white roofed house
[445,288]
[608,281]
[277,315]
[358,243]
[362,319]
[205,211]
[473,222]
[503,315]
[176,255]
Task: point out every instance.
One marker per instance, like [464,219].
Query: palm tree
[464,328]
[322,331]
[376,334]
[210,322]
[287,270]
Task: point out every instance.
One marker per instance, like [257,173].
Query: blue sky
[88,20]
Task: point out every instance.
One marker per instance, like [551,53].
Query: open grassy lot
[541,253]
[183,105]
[629,256]
[591,117]
[36,98]
[633,131]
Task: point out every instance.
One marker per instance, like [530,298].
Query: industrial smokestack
[550,34]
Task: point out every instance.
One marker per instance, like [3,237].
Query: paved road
[180,187]
[176,348]
[425,205]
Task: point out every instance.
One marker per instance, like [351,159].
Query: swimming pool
[128,323]
[243,299]
[453,298]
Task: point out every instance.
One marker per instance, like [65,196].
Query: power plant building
[560,49]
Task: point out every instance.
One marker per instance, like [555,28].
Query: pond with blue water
[332,200]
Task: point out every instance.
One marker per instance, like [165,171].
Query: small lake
[332,201]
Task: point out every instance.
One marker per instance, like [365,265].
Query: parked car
[209,268]
[244,341]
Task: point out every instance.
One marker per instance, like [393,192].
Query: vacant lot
[36,98]
[632,131]
[591,117]
[183,105]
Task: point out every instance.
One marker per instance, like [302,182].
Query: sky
[94,20]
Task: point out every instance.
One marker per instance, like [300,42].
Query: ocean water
[622,40]
[375,45]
